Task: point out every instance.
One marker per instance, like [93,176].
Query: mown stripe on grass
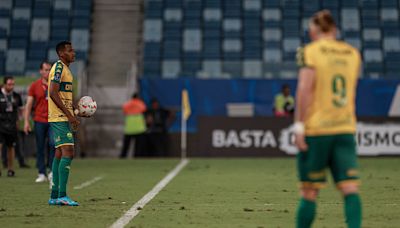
[88,183]
[135,209]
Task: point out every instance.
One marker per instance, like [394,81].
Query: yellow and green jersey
[60,74]
[337,65]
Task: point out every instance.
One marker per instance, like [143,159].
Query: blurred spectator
[10,106]
[135,126]
[19,149]
[158,120]
[284,102]
[37,98]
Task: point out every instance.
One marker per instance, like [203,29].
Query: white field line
[135,209]
[88,183]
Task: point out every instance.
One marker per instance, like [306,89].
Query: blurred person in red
[37,98]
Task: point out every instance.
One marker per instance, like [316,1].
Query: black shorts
[8,139]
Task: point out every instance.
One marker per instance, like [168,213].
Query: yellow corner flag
[185,104]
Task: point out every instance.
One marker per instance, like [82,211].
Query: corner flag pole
[186,111]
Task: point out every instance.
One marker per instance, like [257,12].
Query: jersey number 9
[339,91]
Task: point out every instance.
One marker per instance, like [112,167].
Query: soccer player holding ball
[62,122]
[325,120]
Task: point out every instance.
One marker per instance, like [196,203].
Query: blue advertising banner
[210,97]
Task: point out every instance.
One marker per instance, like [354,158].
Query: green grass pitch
[206,193]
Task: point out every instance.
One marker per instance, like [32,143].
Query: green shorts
[336,152]
[62,133]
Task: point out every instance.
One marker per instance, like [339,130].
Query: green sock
[353,211]
[305,213]
[64,173]
[55,186]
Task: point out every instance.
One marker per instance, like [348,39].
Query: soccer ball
[87,106]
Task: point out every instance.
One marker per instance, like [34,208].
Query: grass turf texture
[207,193]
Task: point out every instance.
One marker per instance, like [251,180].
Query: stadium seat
[62,4]
[59,34]
[271,70]
[196,32]
[211,49]
[212,15]
[232,69]
[172,15]
[212,3]
[5,24]
[15,63]
[22,13]
[171,53]
[173,3]
[272,14]
[232,45]
[288,70]
[37,51]
[80,39]
[81,22]
[391,44]
[350,19]
[371,4]
[272,55]
[271,3]
[272,34]
[52,55]
[389,14]
[372,38]
[18,43]
[373,69]
[372,55]
[171,68]
[192,40]
[3,45]
[309,7]
[355,42]
[291,44]
[252,69]
[232,24]
[23,3]
[40,29]
[6,4]
[389,4]
[190,68]
[212,68]
[32,65]
[152,51]
[42,9]
[152,30]
[60,23]
[252,5]
[19,28]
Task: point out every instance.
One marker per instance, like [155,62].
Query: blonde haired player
[325,120]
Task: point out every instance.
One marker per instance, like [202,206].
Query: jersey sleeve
[31,90]
[58,73]
[304,57]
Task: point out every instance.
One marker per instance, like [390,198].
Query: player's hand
[83,115]
[74,123]
[300,142]
[77,113]
[27,128]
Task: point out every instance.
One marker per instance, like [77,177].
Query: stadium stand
[30,29]
[259,38]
